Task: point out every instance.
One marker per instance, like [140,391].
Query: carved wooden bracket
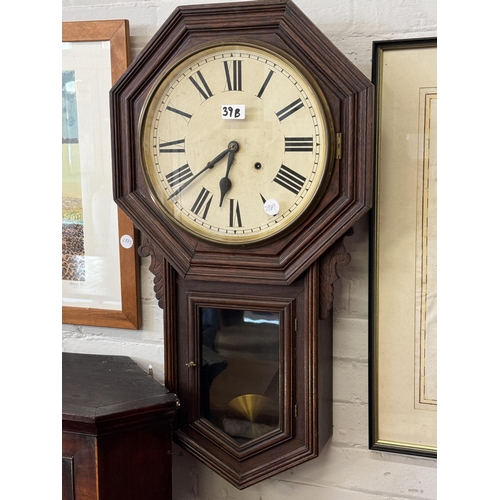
[328,275]
[335,255]
[147,249]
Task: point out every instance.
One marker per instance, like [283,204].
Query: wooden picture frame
[126,312]
[403,283]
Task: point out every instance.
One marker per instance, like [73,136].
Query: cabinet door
[239,372]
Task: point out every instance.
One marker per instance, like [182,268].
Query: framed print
[403,240]
[100,284]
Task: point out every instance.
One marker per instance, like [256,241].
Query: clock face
[234,144]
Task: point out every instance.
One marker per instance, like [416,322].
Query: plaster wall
[346,469]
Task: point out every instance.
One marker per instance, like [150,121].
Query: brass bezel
[251,239]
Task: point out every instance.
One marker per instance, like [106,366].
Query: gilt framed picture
[100,272]
[403,250]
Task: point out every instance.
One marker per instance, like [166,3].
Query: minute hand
[210,165]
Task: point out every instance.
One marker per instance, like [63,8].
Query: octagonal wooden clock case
[242,150]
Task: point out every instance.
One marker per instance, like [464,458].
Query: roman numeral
[170,147]
[233,78]
[234,213]
[179,112]
[264,85]
[289,179]
[180,175]
[298,144]
[290,109]
[205,91]
[202,203]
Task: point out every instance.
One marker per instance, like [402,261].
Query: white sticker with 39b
[233,111]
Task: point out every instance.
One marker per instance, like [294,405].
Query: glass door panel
[240,377]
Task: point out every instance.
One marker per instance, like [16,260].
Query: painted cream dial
[213,174]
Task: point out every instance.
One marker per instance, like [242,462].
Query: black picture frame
[409,446]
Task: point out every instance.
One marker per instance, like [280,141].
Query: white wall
[346,469]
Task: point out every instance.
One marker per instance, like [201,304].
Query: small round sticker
[126,241]
[271,207]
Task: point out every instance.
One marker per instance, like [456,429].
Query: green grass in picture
[73,248]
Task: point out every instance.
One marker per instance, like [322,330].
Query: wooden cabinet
[116,430]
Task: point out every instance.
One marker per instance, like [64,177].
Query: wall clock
[242,150]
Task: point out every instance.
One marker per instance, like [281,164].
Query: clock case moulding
[292,274]
[349,94]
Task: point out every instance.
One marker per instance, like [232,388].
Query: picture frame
[108,294]
[403,238]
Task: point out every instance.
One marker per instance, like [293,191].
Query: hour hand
[225,183]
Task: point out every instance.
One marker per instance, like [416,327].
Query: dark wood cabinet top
[101,392]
